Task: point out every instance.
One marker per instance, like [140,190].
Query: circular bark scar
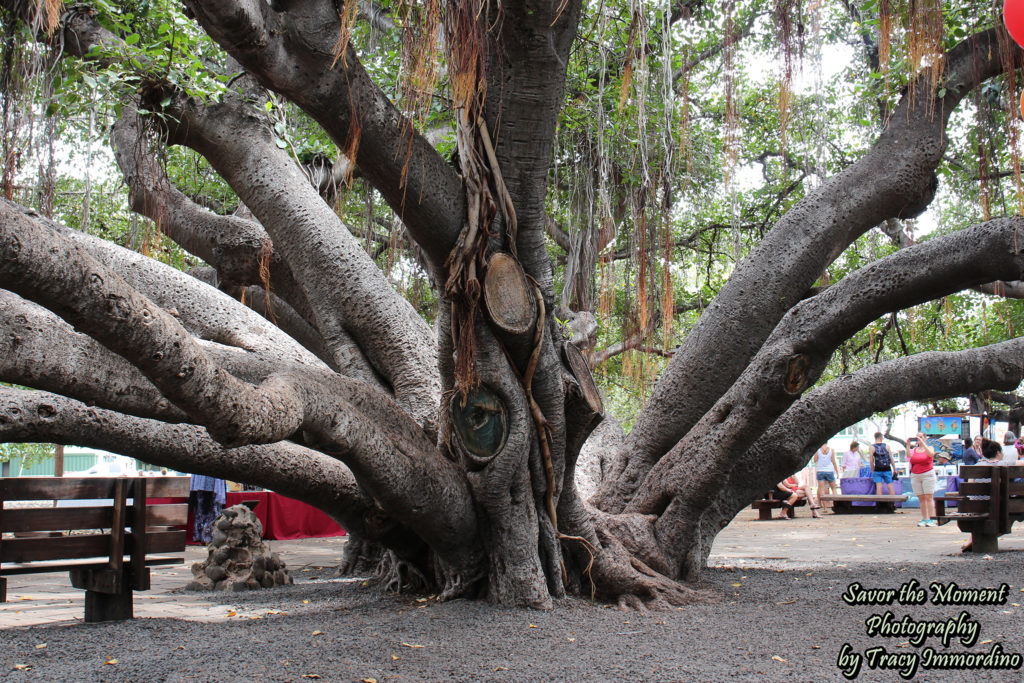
[481,421]
[508,295]
[796,373]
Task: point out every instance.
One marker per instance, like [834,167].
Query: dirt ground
[779,614]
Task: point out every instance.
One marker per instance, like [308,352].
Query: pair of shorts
[923,483]
[882,477]
[827,476]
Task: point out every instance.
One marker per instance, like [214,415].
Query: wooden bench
[765,506]
[986,509]
[97,542]
[844,504]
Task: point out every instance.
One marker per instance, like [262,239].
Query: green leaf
[131,39]
[279,128]
[281,143]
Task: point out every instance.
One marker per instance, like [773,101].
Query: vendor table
[283,518]
[865,486]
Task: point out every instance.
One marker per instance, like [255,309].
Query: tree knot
[796,373]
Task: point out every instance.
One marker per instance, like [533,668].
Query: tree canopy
[369,255]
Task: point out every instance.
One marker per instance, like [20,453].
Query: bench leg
[3,589]
[984,543]
[107,606]
[764,513]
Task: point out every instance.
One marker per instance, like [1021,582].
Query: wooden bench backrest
[1004,498]
[107,507]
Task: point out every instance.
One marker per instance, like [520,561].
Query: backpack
[883,461]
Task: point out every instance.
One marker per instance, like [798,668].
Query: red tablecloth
[286,518]
[283,518]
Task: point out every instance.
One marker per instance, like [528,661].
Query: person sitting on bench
[789,491]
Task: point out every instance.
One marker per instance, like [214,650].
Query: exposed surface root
[623,578]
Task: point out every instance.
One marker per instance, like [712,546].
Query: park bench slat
[163,514]
[975,488]
[167,487]
[56,488]
[78,488]
[63,566]
[20,550]
[1015,507]
[57,519]
[976,471]
[971,505]
[62,519]
[165,541]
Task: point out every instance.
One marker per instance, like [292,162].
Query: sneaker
[923,522]
[932,522]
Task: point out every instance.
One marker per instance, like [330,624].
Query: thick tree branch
[348,293]
[284,467]
[293,53]
[238,248]
[799,349]
[41,265]
[788,444]
[83,369]
[894,179]
[390,455]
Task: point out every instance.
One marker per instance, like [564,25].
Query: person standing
[1009,450]
[851,461]
[922,479]
[881,465]
[825,466]
[206,499]
[973,453]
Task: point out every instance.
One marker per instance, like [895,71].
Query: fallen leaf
[22,667]
[41,646]
[318,633]
[421,599]
[737,585]
[985,642]
[533,625]
[232,613]
[572,640]
[26,597]
[311,675]
[788,602]
[180,647]
[394,658]
[110,661]
[778,658]
[368,680]
[305,602]
[501,668]
[413,645]
[815,647]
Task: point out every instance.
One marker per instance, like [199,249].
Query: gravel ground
[768,625]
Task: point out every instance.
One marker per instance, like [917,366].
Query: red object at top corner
[1013,17]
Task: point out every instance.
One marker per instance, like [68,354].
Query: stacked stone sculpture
[238,558]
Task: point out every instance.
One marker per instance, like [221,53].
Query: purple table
[860,486]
